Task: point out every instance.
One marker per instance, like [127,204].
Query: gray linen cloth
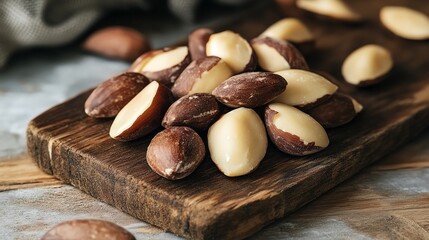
[28,23]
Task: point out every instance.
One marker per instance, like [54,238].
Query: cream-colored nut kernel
[142,114]
[293,131]
[356,105]
[276,55]
[289,29]
[405,22]
[166,60]
[367,65]
[201,76]
[162,65]
[334,9]
[237,142]
[233,49]
[305,89]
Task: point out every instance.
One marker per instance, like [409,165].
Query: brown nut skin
[192,72]
[88,229]
[165,76]
[197,41]
[288,51]
[197,111]
[252,89]
[175,152]
[336,111]
[112,95]
[149,120]
[285,141]
[252,65]
[198,71]
[117,42]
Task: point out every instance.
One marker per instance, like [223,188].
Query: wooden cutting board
[207,205]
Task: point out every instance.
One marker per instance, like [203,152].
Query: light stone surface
[34,84]
[31,212]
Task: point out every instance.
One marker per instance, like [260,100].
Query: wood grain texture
[21,172]
[388,200]
[396,185]
[207,205]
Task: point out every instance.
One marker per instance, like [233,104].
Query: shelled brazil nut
[175,152]
[367,65]
[276,55]
[112,95]
[332,9]
[252,89]
[201,76]
[162,65]
[405,22]
[338,110]
[233,49]
[197,111]
[143,114]
[197,41]
[237,142]
[117,42]
[87,229]
[305,89]
[219,94]
[293,131]
[293,31]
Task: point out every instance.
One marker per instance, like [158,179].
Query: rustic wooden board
[208,205]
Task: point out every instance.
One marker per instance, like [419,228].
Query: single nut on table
[252,89]
[291,30]
[143,114]
[112,95]
[276,55]
[88,229]
[405,22]
[162,65]
[196,111]
[197,41]
[336,111]
[233,49]
[175,152]
[293,131]
[201,76]
[305,89]
[333,9]
[367,65]
[237,142]
[117,42]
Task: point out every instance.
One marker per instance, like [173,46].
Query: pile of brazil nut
[237,94]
